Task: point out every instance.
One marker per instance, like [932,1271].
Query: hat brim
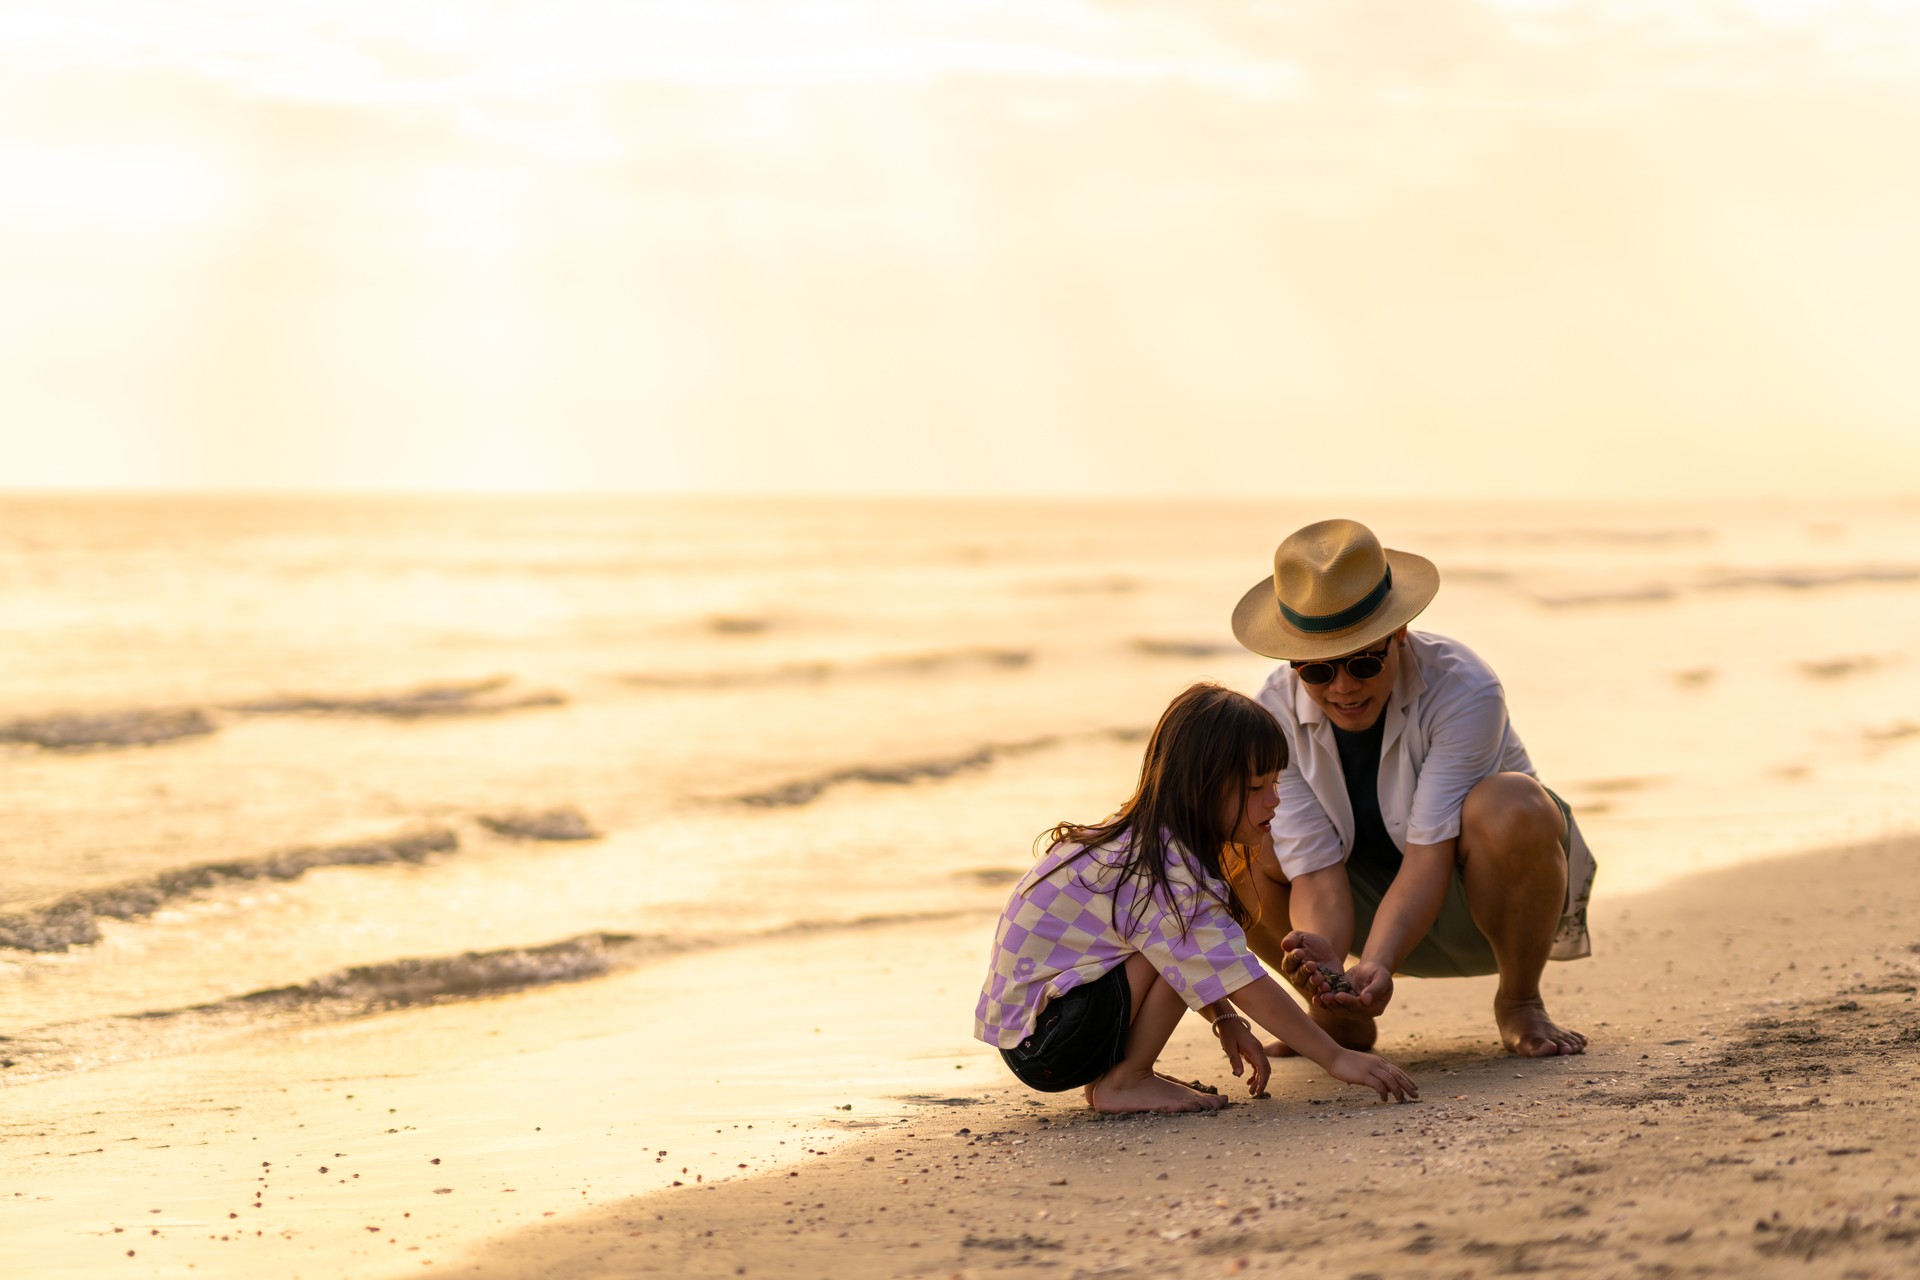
[1259,626]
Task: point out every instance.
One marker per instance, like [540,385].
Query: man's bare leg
[1516,881]
[1325,909]
[1131,1083]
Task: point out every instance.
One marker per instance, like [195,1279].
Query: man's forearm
[1322,903]
[1411,904]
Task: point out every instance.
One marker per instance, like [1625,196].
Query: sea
[274,762]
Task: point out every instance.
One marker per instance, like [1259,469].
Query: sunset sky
[1181,247]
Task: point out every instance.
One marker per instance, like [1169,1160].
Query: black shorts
[1078,1037]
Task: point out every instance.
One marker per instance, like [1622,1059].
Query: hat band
[1316,624]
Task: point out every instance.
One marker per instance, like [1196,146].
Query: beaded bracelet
[1230,1017]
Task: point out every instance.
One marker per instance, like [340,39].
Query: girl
[1123,925]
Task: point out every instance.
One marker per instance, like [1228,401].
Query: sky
[1379,248]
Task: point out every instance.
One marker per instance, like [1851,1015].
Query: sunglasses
[1361,666]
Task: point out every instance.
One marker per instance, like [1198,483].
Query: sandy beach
[1745,1109]
[732,1034]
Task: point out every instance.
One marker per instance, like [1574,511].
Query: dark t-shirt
[1374,855]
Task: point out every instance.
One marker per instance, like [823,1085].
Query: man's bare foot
[1526,1030]
[1349,1030]
[1280,1049]
[1117,1094]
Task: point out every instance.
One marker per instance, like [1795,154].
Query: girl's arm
[1240,1045]
[1274,1009]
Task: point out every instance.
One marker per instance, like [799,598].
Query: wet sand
[815,1108]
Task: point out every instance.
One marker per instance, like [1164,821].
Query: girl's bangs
[1266,745]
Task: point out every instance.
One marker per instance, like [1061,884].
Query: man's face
[1353,704]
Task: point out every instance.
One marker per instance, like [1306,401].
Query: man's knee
[1510,813]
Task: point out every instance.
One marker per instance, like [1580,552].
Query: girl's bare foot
[1119,1092]
[1526,1030]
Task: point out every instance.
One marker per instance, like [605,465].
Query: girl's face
[1250,811]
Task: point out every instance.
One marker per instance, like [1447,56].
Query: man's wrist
[1381,959]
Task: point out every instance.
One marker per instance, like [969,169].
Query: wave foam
[1186,648]
[451,698]
[76,731]
[806,790]
[361,990]
[905,664]
[1755,580]
[546,824]
[75,919]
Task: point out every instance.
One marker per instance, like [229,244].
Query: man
[1411,831]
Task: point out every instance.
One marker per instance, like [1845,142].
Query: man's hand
[1305,962]
[1237,1038]
[1372,990]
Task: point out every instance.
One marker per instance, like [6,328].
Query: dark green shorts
[1454,947]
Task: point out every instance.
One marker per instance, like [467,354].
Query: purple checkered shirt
[1067,925]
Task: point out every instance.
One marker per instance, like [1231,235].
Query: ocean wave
[1098,585]
[81,731]
[434,979]
[546,824]
[1155,648]
[147,726]
[362,990]
[74,920]
[489,696]
[1655,537]
[1813,579]
[1754,580]
[905,664]
[1652,593]
[1837,668]
[806,790]
[738,624]
[905,773]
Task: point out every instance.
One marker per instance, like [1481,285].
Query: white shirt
[1446,730]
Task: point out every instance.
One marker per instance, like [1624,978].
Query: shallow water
[781,717]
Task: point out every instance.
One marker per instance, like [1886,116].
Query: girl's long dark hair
[1210,744]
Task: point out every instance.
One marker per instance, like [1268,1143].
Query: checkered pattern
[1066,925]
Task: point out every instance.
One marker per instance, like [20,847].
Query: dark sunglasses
[1361,666]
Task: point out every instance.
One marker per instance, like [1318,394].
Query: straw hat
[1334,589]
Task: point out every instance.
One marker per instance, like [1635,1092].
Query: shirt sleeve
[1304,837]
[1210,961]
[1468,742]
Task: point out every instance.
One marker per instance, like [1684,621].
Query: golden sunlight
[1516,246]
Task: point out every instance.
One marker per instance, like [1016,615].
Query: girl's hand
[1375,1073]
[1237,1038]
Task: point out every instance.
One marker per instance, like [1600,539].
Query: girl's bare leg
[1130,1084]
